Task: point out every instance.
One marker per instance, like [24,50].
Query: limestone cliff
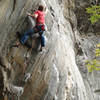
[59,73]
[89,38]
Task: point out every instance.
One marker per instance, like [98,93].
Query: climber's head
[41,7]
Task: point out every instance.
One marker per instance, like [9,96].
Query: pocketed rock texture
[26,73]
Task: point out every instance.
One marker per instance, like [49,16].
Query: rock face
[87,43]
[58,73]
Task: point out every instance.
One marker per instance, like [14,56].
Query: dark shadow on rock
[18,35]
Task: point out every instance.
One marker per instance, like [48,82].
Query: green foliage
[94,64]
[94,12]
[97,50]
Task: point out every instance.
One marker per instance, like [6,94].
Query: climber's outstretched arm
[32,15]
[45,10]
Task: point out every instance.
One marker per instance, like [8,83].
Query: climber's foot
[16,45]
[42,49]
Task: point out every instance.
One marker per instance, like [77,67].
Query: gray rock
[59,73]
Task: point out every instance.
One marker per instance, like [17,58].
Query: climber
[39,15]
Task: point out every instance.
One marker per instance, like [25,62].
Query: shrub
[94,12]
[94,64]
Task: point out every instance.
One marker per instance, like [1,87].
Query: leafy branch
[94,64]
[94,12]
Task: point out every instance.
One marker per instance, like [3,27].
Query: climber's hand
[28,14]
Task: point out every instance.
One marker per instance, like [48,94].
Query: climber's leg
[26,36]
[42,41]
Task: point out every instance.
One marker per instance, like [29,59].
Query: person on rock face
[39,15]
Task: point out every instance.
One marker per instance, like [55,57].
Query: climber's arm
[45,10]
[32,15]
